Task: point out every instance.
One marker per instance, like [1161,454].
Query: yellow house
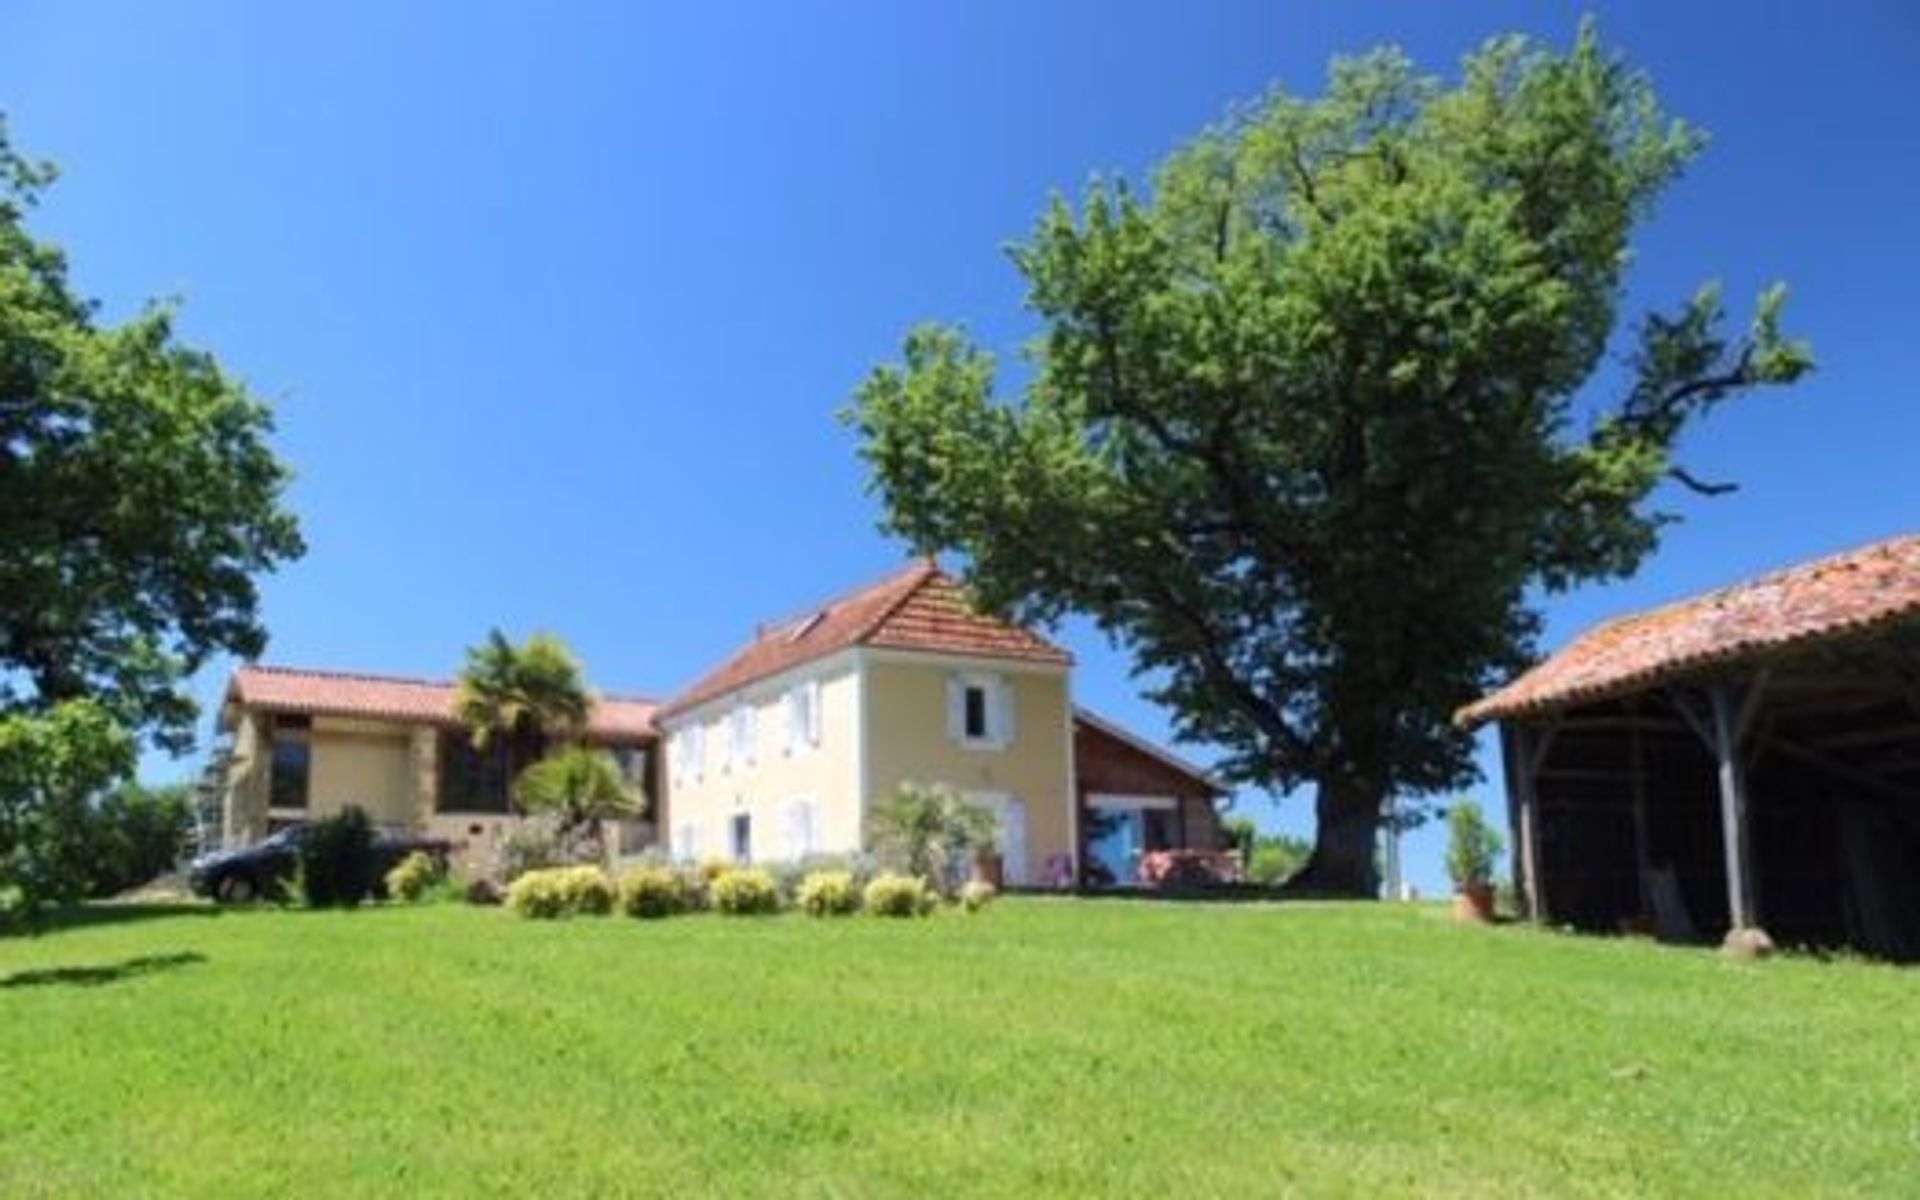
[777,754]
[307,743]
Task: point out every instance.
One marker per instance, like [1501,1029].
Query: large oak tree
[139,497]
[1309,416]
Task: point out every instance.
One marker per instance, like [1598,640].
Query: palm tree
[929,831]
[580,786]
[508,690]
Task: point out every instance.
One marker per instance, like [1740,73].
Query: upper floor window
[975,716]
[740,736]
[980,711]
[803,716]
[693,742]
[291,770]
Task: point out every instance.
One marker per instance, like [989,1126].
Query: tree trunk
[1347,820]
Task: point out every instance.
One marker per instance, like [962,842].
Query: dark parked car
[265,868]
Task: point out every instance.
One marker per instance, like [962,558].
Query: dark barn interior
[1750,760]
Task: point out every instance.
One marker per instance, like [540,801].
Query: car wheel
[236,889]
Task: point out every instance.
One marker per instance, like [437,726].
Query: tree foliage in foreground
[1301,427]
[51,768]
[139,498]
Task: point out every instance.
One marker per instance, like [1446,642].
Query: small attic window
[807,626]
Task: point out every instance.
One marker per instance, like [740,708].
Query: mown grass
[1041,1048]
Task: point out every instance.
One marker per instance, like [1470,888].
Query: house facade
[307,743]
[775,755]
[778,753]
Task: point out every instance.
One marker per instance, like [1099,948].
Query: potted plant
[1472,845]
[988,867]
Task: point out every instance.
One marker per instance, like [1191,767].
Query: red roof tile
[917,608]
[1828,599]
[387,698]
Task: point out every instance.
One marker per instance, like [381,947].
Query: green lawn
[1043,1048]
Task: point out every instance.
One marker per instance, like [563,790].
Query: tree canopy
[139,498]
[1306,419]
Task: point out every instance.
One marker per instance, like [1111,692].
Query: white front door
[1010,833]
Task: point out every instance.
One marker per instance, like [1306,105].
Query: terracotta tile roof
[388,698]
[918,607]
[1825,600]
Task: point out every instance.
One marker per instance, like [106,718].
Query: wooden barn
[1743,765]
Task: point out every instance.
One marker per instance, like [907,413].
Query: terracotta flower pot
[1473,902]
[988,869]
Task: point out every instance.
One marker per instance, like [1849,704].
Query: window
[292,768]
[742,831]
[740,736]
[975,727]
[980,711]
[481,781]
[803,716]
[801,829]
[694,740]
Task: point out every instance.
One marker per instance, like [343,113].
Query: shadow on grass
[86,916]
[132,968]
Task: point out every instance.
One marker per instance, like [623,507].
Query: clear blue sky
[557,301]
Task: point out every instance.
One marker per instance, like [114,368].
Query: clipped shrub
[710,869]
[891,895]
[977,894]
[861,866]
[485,891]
[336,860]
[413,876]
[587,890]
[561,892]
[744,892]
[652,892]
[829,894]
[532,845]
[694,888]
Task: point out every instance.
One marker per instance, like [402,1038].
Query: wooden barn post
[1733,708]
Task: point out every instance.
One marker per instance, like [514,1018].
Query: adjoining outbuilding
[1743,765]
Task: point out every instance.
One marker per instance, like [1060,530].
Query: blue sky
[557,301]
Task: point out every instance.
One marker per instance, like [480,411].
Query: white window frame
[800,827]
[693,751]
[802,707]
[740,735]
[996,707]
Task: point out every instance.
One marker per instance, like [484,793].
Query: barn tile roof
[919,607]
[1829,599]
[390,698]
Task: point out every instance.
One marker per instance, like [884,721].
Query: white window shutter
[790,706]
[799,829]
[1003,720]
[956,708]
[812,730]
[747,731]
